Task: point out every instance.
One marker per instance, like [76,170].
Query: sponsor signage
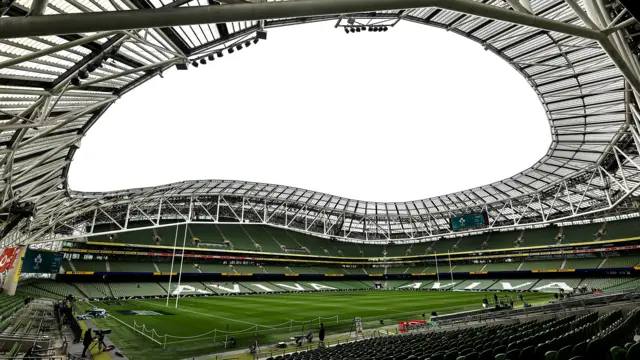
[79,272]
[144,312]
[8,258]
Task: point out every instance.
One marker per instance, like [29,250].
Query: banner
[8,258]
[40,261]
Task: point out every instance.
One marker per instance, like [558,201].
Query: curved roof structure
[578,56]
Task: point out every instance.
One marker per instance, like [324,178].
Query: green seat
[564,353]
[579,349]
[550,355]
[451,356]
[618,353]
[633,353]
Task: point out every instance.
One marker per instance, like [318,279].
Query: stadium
[544,264]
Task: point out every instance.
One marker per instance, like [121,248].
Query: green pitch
[267,318]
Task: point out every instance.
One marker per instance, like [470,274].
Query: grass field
[269,318]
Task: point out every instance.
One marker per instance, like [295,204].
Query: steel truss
[579,57]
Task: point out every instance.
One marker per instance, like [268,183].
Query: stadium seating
[538,237]
[475,284]
[131,266]
[621,261]
[135,289]
[514,284]
[580,233]
[89,265]
[583,263]
[622,229]
[506,266]
[398,270]
[541,265]
[271,269]
[94,290]
[271,239]
[462,267]
[525,341]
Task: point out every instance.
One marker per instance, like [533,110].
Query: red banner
[7,258]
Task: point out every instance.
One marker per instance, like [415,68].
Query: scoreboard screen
[469,221]
[41,261]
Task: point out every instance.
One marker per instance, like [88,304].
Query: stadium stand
[463,267]
[134,289]
[580,233]
[506,266]
[131,266]
[514,284]
[542,265]
[583,263]
[621,261]
[475,284]
[561,338]
[89,265]
[398,270]
[538,237]
[621,229]
[245,237]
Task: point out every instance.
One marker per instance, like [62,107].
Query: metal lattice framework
[580,57]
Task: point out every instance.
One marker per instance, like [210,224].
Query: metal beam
[154,18]
[38,7]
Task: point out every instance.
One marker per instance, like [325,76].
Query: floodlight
[230,50]
[346,30]
[83,74]
[247,43]
[203,61]
[370,29]
[239,46]
[91,67]
[220,54]
[194,63]
[210,57]
[352,30]
[75,81]
[182,66]
[357,29]
[255,41]
[385,28]
[262,35]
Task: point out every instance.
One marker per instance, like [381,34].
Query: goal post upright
[175,240]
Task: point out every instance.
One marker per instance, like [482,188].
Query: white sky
[406,114]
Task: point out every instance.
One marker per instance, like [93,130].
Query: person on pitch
[321,334]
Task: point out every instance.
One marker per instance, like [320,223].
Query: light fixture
[220,54]
[75,81]
[83,74]
[210,57]
[346,30]
[230,50]
[91,67]
[255,41]
[239,46]
[194,63]
[261,34]
[247,43]
[352,30]
[203,61]
[385,28]
[182,66]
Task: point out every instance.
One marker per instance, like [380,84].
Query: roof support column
[38,7]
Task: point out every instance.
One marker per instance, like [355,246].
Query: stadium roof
[579,57]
